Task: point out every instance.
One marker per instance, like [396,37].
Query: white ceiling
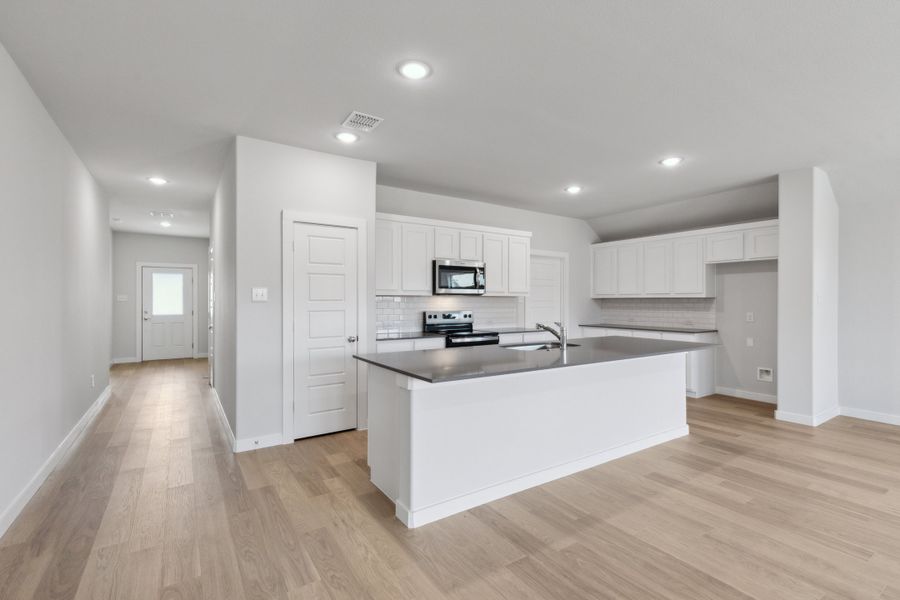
[525,98]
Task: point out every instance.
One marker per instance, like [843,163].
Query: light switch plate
[122,298]
[751,317]
[259,294]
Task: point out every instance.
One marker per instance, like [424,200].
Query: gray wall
[223,234]
[272,178]
[132,248]
[742,288]
[55,268]
[550,232]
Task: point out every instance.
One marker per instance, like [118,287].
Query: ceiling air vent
[361,121]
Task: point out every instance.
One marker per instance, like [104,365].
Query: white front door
[544,303]
[325,321]
[167,313]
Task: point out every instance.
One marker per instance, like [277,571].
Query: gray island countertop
[454,364]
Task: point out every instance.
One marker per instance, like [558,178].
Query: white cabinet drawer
[394,346]
[431,343]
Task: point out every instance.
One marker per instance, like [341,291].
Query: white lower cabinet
[429,343]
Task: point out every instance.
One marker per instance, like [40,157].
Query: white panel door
[496,266]
[657,267]
[325,321]
[387,257]
[517,278]
[688,268]
[603,270]
[544,301]
[418,252]
[628,269]
[470,245]
[167,311]
[446,243]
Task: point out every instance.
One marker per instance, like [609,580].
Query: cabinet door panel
[496,266]
[470,245]
[387,257]
[725,247]
[446,243]
[761,243]
[657,270]
[518,277]
[688,267]
[418,252]
[603,270]
[628,270]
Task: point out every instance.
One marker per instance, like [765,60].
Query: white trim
[809,420]
[564,257]
[15,507]
[451,225]
[264,441]
[202,355]
[139,303]
[288,218]
[746,395]
[456,505]
[870,415]
[124,361]
[223,418]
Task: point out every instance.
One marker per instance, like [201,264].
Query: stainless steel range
[458,326]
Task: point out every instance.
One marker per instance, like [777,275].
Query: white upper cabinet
[496,265]
[760,244]
[658,268]
[406,246]
[519,265]
[446,243]
[678,265]
[470,245]
[603,270]
[387,257]
[417,252]
[628,269]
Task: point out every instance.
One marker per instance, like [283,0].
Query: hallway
[153,504]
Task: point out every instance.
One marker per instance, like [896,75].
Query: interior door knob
[352,339]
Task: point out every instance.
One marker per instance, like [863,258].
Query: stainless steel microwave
[458,277]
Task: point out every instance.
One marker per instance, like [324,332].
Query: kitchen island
[455,428]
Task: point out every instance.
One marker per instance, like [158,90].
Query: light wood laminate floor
[152,504]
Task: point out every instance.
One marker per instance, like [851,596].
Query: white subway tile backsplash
[404,313]
[664,312]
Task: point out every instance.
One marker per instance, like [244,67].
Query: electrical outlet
[751,317]
[749,342]
[764,374]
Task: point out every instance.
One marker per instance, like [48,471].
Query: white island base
[436,449]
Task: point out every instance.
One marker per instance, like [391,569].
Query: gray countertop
[649,327]
[454,364]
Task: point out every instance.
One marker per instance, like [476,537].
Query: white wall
[742,288]
[131,248]
[807,299]
[870,306]
[55,268]
[223,235]
[272,178]
[550,232]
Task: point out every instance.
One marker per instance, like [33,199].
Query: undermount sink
[544,346]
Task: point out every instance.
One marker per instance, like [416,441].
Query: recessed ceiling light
[414,69]
[671,161]
[157,180]
[165,223]
[346,137]
[573,189]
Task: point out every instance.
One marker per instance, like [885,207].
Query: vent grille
[361,121]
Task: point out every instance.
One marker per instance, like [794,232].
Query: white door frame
[288,218]
[564,256]
[139,304]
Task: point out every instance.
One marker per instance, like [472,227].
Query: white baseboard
[746,395]
[125,360]
[223,418]
[459,504]
[202,355]
[809,420]
[12,511]
[870,415]
[255,443]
